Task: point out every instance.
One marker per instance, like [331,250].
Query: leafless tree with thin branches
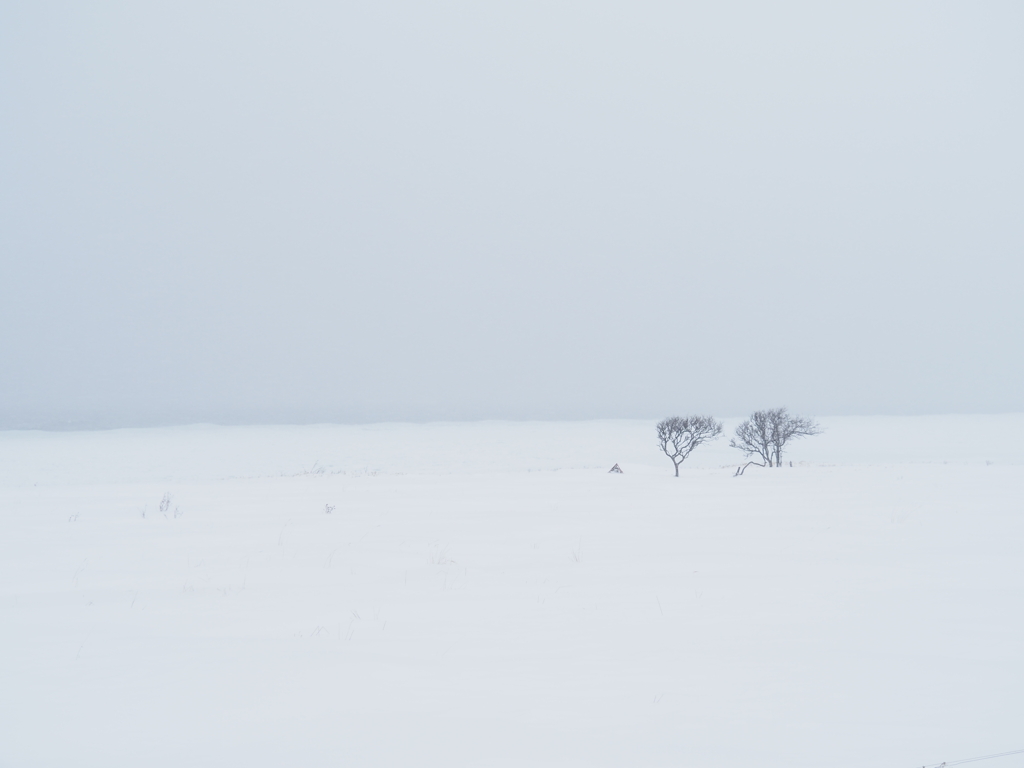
[679,435]
[766,433]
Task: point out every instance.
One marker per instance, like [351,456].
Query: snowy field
[486,594]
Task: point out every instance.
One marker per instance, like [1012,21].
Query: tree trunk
[677,469]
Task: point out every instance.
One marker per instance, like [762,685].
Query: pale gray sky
[257,212]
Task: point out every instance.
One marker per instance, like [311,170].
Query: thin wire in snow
[974,759]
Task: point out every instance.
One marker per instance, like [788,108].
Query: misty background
[301,212]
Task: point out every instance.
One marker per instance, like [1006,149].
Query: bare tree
[766,433]
[678,435]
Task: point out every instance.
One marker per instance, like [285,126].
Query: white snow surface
[487,594]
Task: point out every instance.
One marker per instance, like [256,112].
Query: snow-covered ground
[487,594]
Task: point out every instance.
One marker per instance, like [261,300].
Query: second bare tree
[766,433]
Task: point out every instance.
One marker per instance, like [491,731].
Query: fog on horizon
[269,212]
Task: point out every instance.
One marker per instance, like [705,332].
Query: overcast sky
[265,212]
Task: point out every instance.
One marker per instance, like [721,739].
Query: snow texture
[487,594]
